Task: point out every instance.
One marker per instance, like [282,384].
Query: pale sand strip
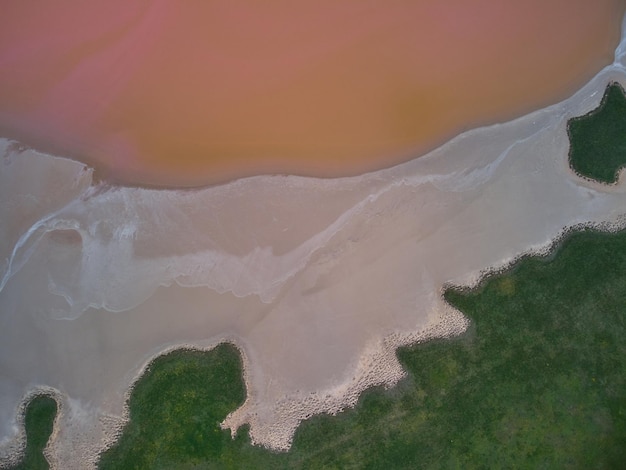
[316,281]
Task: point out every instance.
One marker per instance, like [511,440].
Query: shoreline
[450,325]
[103,176]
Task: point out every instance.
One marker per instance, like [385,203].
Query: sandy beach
[317,281]
[208,92]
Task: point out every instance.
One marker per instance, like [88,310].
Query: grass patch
[38,421]
[538,381]
[175,411]
[598,139]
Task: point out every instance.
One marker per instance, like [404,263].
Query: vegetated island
[598,139]
[38,421]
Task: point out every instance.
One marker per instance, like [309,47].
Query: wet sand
[317,281]
[205,92]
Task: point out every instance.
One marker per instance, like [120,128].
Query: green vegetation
[176,409]
[538,381]
[598,139]
[38,421]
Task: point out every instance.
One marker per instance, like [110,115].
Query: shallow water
[204,92]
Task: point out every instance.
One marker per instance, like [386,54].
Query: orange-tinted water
[198,92]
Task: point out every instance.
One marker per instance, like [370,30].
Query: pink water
[198,92]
